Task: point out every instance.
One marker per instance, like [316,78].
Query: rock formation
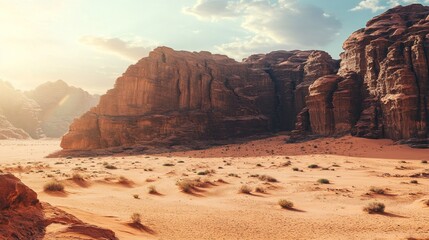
[380,91]
[382,87]
[46,111]
[175,97]
[22,216]
[60,104]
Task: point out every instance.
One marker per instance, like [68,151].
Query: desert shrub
[267,178]
[260,190]
[110,166]
[424,161]
[233,175]
[426,202]
[54,186]
[245,189]
[313,166]
[77,177]
[295,169]
[377,190]
[185,185]
[323,181]
[136,218]
[136,196]
[285,204]
[374,207]
[152,189]
[168,165]
[414,181]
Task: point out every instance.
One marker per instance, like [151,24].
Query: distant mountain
[60,104]
[46,111]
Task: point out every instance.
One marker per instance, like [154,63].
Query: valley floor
[215,209]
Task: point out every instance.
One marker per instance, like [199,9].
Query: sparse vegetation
[374,207]
[168,165]
[110,166]
[260,190]
[377,190]
[152,190]
[424,161]
[233,175]
[295,169]
[77,177]
[323,181]
[53,186]
[245,189]
[313,166]
[426,202]
[136,218]
[186,185]
[285,204]
[267,178]
[414,182]
[136,196]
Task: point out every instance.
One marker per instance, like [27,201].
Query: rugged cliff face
[174,97]
[382,86]
[381,90]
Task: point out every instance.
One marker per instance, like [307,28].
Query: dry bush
[285,204]
[245,189]
[54,186]
[186,185]
[136,218]
[374,207]
[152,189]
[377,190]
[323,181]
[267,178]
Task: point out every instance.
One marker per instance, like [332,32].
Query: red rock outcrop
[22,216]
[383,84]
[176,97]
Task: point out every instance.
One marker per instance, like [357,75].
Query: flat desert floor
[113,188]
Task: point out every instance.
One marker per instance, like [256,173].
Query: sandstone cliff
[382,87]
[174,97]
[380,91]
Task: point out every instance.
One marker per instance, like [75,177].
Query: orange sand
[218,211]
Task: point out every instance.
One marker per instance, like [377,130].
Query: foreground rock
[22,216]
[176,97]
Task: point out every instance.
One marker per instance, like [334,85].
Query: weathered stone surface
[175,97]
[21,215]
[392,51]
[60,104]
[388,62]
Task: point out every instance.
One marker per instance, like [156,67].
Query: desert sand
[216,210]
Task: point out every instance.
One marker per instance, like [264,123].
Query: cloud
[378,5]
[128,50]
[269,24]
[212,9]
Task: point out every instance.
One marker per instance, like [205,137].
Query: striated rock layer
[382,87]
[174,97]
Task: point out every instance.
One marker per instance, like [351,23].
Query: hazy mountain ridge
[46,111]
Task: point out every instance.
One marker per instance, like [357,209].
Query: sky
[90,43]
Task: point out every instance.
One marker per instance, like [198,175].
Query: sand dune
[107,191]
